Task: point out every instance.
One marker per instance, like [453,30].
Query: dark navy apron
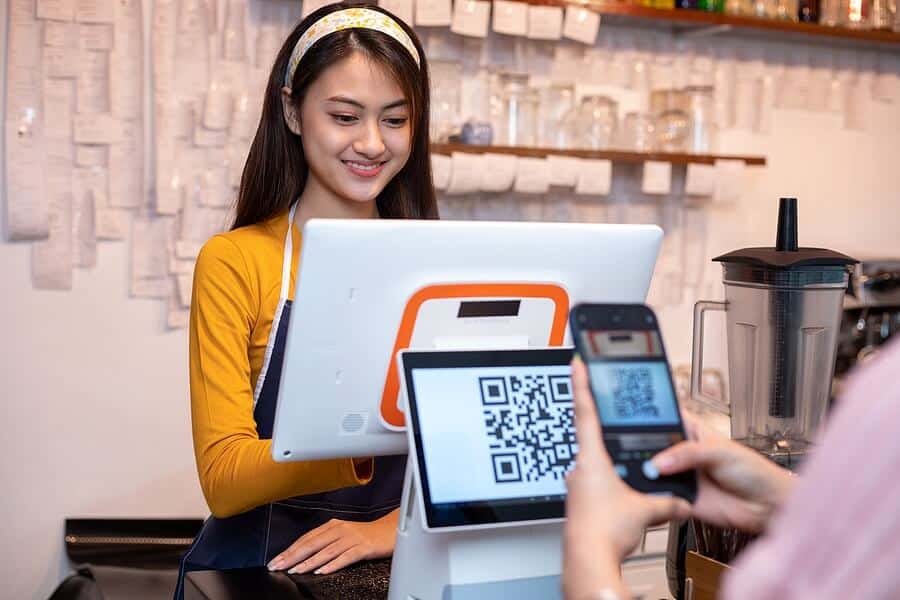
[253,538]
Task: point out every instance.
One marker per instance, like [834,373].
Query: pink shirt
[838,536]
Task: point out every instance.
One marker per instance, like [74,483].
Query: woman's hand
[605,518]
[737,486]
[337,543]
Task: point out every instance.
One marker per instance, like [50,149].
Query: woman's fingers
[305,546]
[323,556]
[347,557]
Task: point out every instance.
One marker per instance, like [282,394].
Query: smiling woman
[357,136]
[343,134]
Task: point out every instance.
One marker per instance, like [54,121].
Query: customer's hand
[605,518]
[337,543]
[737,486]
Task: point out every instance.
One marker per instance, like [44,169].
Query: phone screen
[632,387]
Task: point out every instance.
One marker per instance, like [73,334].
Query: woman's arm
[236,468]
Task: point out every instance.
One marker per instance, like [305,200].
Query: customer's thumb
[667,508]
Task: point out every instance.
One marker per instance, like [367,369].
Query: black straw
[787,226]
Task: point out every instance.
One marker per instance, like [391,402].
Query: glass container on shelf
[883,14]
[638,132]
[555,102]
[739,7]
[809,11]
[669,108]
[765,9]
[788,10]
[711,5]
[830,13]
[518,106]
[446,78]
[855,13]
[701,109]
[592,124]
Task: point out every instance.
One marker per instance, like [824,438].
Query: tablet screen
[494,433]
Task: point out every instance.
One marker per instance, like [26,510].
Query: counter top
[362,581]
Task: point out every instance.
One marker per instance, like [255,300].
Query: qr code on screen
[529,424]
[633,393]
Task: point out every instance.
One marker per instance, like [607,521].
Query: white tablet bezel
[416,460]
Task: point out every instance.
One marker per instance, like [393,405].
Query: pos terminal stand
[522,562]
[474,563]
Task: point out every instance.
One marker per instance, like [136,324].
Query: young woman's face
[355,129]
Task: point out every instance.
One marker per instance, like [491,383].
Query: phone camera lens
[649,319]
[617,317]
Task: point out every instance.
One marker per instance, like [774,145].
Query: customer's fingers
[689,455]
[587,424]
[666,508]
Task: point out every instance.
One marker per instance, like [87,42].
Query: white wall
[95,392]
[96,414]
[96,411]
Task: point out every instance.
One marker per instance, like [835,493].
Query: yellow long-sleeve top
[237,280]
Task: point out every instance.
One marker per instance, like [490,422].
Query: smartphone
[632,386]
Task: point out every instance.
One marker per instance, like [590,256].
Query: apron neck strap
[288,254]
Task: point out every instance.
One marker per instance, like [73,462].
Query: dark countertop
[362,581]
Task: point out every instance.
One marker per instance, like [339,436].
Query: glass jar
[765,9]
[701,108]
[855,13]
[518,106]
[555,102]
[669,108]
[711,5]
[809,11]
[638,132]
[446,79]
[592,124]
[739,7]
[883,14]
[830,13]
[788,10]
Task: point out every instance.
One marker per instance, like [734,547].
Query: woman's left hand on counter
[337,543]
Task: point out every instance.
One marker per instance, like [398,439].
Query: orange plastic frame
[390,413]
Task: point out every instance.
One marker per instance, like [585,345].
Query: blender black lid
[791,259]
[786,254]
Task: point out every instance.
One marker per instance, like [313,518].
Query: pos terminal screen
[494,433]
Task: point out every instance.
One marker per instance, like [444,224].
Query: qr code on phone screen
[632,393]
[529,424]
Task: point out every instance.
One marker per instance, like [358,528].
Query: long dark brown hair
[276,169]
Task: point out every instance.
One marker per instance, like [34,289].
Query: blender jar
[783,310]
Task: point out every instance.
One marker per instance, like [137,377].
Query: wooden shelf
[621,13]
[612,155]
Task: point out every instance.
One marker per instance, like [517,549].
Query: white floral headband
[349,18]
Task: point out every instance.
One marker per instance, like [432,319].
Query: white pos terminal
[366,291]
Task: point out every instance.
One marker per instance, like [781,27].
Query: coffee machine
[871,314]
[783,307]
